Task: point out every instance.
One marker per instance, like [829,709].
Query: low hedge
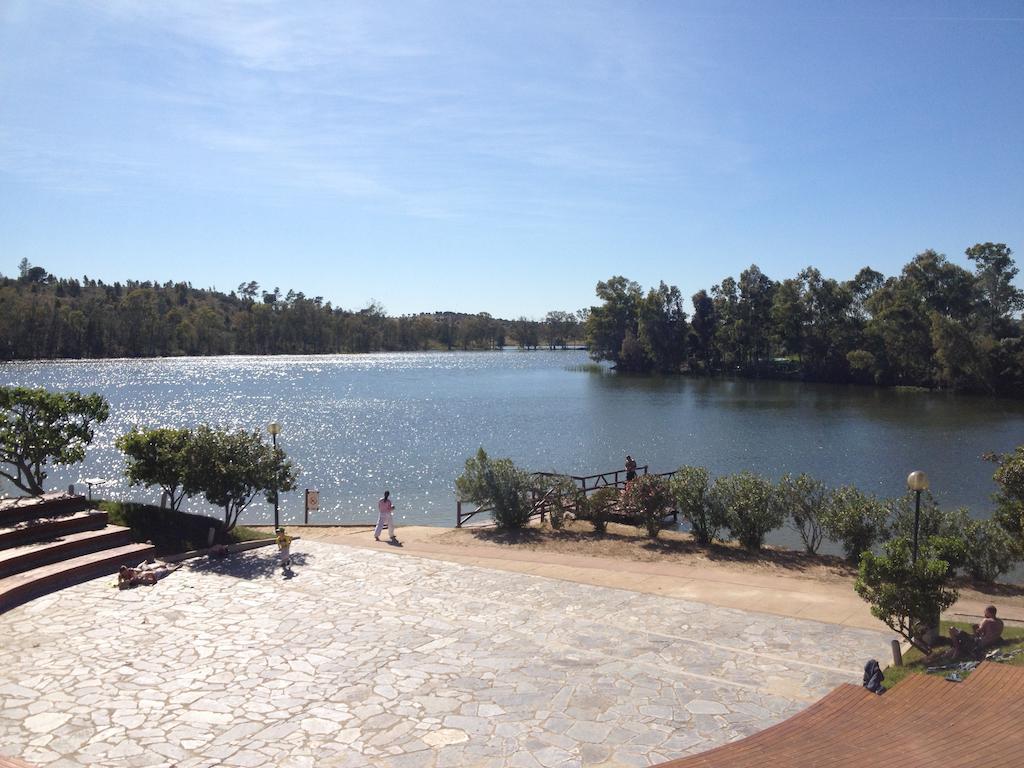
[170,531]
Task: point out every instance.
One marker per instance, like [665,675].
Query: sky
[503,156]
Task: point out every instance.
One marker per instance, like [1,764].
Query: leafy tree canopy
[232,468]
[161,458]
[38,428]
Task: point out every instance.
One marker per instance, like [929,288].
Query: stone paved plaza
[367,658]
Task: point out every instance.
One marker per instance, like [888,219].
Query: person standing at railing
[630,468]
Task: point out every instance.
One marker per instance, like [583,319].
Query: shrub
[991,550]
[749,506]
[647,497]
[854,519]
[902,595]
[599,507]
[803,498]
[1010,496]
[169,530]
[690,489]
[563,500]
[944,531]
[501,484]
[933,521]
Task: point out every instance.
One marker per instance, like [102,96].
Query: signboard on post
[312,502]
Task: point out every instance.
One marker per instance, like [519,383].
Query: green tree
[610,322]
[962,360]
[690,487]
[662,329]
[231,468]
[499,483]
[789,317]
[703,327]
[854,519]
[1000,299]
[803,498]
[40,427]
[903,595]
[830,326]
[757,294]
[749,506]
[161,458]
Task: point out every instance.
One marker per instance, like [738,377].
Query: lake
[357,424]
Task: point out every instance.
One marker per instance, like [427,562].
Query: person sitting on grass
[984,635]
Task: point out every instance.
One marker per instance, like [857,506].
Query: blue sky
[503,157]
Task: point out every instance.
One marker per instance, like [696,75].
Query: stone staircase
[53,541]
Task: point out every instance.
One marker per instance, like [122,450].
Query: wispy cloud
[436,110]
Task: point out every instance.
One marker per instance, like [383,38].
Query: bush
[803,498]
[501,484]
[1010,496]
[563,500]
[934,522]
[690,489]
[902,595]
[598,508]
[749,506]
[647,497]
[945,532]
[171,531]
[855,520]
[991,550]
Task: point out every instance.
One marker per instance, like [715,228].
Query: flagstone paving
[367,658]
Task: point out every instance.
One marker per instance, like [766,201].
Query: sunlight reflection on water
[408,421]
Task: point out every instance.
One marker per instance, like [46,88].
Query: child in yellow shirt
[284,544]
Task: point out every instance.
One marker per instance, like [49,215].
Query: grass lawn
[915,663]
[170,531]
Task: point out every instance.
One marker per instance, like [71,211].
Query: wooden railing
[538,507]
[586,483]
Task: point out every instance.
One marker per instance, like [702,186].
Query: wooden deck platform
[924,721]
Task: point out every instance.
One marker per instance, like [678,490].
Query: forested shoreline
[47,317]
[935,324]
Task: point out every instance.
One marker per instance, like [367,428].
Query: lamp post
[274,429]
[917,482]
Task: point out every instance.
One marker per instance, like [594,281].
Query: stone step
[13,762]
[27,531]
[20,587]
[36,554]
[33,507]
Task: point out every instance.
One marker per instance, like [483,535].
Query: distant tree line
[43,316]
[935,324]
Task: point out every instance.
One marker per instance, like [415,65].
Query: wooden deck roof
[924,721]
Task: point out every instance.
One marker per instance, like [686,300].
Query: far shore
[779,581]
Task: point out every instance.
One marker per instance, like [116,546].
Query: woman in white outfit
[385,517]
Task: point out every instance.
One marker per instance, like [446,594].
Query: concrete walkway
[371,658]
